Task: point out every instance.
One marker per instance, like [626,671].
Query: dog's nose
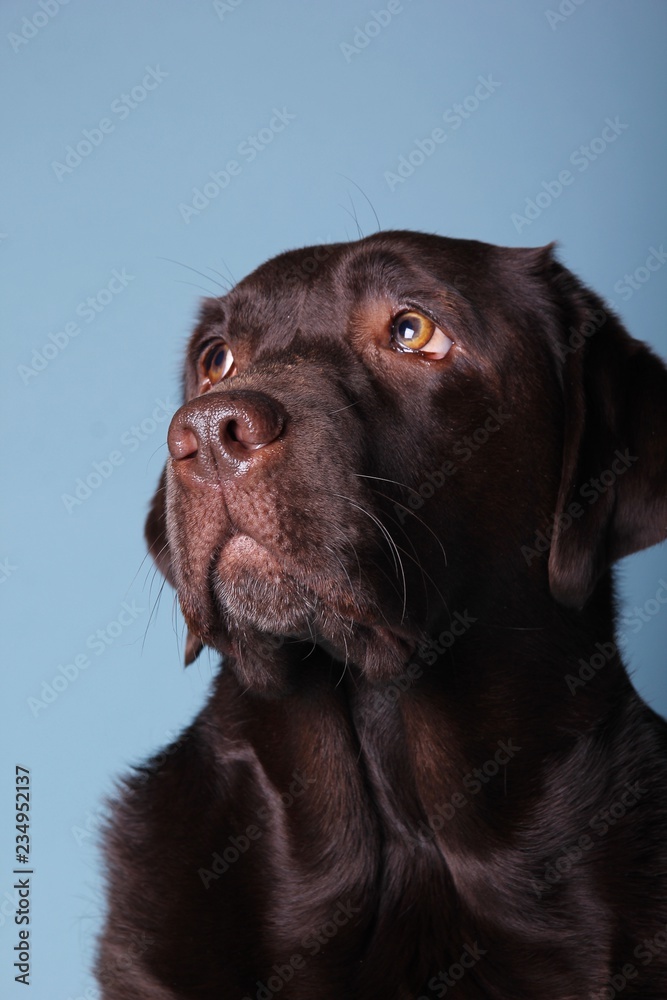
[225,427]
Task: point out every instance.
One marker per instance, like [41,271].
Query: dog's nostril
[231,430]
[253,430]
[182,443]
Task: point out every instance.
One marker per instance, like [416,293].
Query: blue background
[357,111]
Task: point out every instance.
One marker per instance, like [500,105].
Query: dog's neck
[475,681]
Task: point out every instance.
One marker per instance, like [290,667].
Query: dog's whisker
[342,566]
[364,195]
[154,453]
[226,283]
[382,479]
[344,671]
[153,570]
[206,277]
[352,212]
[138,571]
[353,547]
[228,270]
[424,575]
[341,408]
[375,521]
[182,638]
[152,613]
[398,562]
[313,638]
[193,284]
[516,628]
[418,519]
[417,561]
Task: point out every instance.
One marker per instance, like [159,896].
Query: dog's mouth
[250,594]
[256,565]
[254,589]
[242,552]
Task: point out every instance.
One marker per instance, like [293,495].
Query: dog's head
[373,432]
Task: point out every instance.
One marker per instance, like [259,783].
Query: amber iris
[217,363]
[411,331]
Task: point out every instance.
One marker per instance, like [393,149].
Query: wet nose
[221,429]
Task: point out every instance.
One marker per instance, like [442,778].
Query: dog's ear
[613,492]
[157,540]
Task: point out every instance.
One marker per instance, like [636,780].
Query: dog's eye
[216,364]
[412,331]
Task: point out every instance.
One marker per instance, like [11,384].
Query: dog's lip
[211,624]
[238,550]
[243,547]
[242,551]
[241,540]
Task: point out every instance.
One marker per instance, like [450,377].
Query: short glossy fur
[401,786]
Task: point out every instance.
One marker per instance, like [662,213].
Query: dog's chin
[262,616]
[255,593]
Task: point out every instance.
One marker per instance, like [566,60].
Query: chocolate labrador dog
[402,471]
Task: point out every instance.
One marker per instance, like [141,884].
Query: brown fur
[394,790]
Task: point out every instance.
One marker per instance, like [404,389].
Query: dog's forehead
[384,259]
[313,289]
[301,288]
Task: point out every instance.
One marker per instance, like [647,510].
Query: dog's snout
[217,428]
